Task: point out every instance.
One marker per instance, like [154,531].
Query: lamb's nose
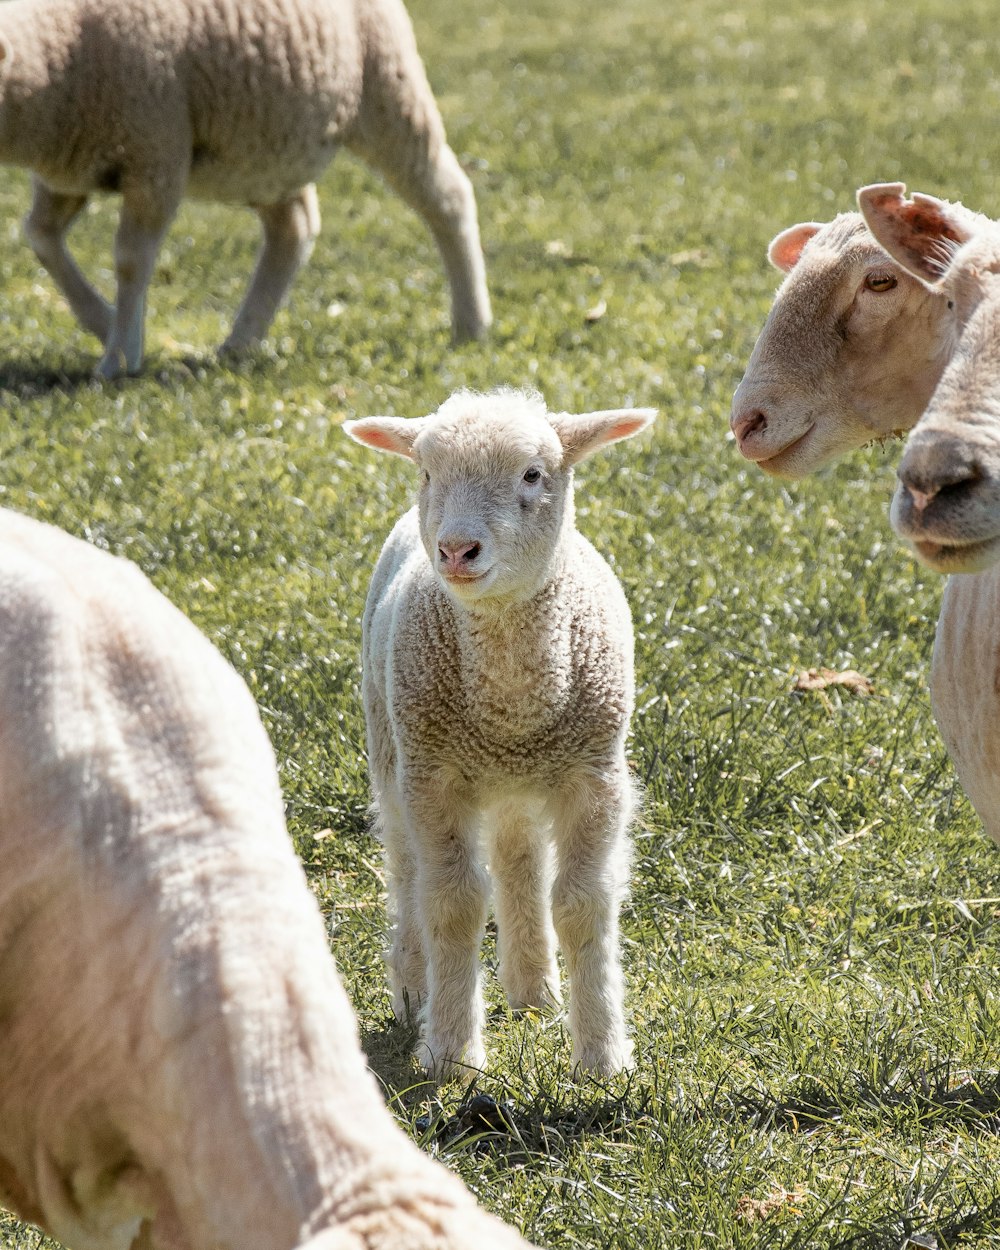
[455,554]
[746,422]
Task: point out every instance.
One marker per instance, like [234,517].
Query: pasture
[811,942]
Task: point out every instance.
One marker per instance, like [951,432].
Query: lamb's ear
[395,434]
[922,234]
[785,249]
[583,432]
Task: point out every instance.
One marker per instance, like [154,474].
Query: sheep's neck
[515,659]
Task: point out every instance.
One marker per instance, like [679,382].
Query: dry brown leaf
[751,1210]
[597,312]
[821,678]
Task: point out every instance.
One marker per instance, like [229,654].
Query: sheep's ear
[583,432]
[922,234]
[395,434]
[785,249]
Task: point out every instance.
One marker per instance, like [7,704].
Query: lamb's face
[851,351]
[494,497]
[497,483]
[947,501]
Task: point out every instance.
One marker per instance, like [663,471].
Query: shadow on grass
[30,378]
[539,1114]
[973,1102]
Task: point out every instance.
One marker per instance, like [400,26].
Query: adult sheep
[181,1069]
[498,690]
[239,102]
[852,350]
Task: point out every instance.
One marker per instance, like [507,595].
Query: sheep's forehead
[836,252]
[485,439]
[832,263]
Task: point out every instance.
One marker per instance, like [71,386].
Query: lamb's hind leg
[406,959]
[520,864]
[45,227]
[290,230]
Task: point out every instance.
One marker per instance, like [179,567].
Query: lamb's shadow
[30,378]
[536,1116]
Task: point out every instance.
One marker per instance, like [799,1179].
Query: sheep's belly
[965,687]
[251,179]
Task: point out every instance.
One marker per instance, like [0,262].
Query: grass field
[811,941]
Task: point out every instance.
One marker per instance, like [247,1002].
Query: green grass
[811,941]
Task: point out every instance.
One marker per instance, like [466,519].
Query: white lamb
[498,689]
[243,103]
[853,349]
[180,1067]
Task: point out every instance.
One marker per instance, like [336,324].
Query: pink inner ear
[625,427]
[786,248]
[375,437]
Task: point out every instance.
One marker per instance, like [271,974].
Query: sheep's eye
[532,475]
[880,282]
[427,478]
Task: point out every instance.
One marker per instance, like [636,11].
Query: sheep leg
[45,227]
[400,134]
[141,228]
[290,230]
[452,889]
[520,864]
[592,854]
[407,962]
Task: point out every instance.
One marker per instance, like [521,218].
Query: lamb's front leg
[143,223]
[591,818]
[45,227]
[452,892]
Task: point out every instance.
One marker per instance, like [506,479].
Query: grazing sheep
[853,350]
[243,103]
[498,690]
[181,1069]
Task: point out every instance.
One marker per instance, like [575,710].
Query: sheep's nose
[455,554]
[746,422]
[935,467]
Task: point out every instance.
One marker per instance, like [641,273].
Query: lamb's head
[850,352]
[496,494]
[947,501]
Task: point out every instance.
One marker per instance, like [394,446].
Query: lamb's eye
[427,478]
[532,475]
[880,282]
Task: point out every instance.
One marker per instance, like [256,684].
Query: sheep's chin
[958,558]
[468,589]
[786,462]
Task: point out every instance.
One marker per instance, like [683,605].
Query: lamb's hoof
[607,1059]
[542,996]
[438,1059]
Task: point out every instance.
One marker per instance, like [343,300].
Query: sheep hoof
[605,1060]
[113,366]
[437,1061]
